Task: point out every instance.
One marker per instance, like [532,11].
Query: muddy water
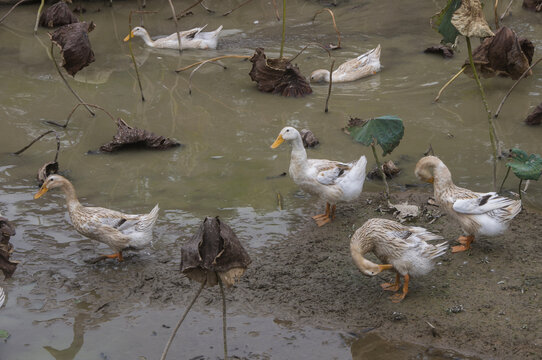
[226,127]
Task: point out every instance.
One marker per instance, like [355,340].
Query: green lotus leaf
[4,334]
[525,167]
[386,131]
[442,22]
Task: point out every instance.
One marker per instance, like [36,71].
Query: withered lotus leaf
[445,51]
[469,20]
[533,5]
[46,170]
[278,76]
[74,45]
[502,55]
[58,14]
[128,136]
[7,230]
[214,250]
[535,118]
[309,140]
[390,170]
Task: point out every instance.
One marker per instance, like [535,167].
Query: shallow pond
[226,127]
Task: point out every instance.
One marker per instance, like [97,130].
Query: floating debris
[7,230]
[535,118]
[309,140]
[444,50]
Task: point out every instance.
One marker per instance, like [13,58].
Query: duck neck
[71,197]
[299,155]
[442,178]
[145,36]
[364,265]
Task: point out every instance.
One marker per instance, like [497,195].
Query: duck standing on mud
[117,230]
[477,213]
[401,248]
[332,181]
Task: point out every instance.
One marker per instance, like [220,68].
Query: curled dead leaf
[352,123]
[390,170]
[58,14]
[309,140]
[533,5]
[74,45]
[128,136]
[535,118]
[445,51]
[7,230]
[469,20]
[214,251]
[278,76]
[47,169]
[502,54]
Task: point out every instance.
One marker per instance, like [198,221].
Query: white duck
[477,213]
[364,65]
[332,181]
[190,39]
[401,248]
[119,231]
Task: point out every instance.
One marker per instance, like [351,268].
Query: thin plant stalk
[283,28]
[507,9]
[492,131]
[224,328]
[448,83]
[130,47]
[10,10]
[38,16]
[196,69]
[32,142]
[66,82]
[166,349]
[73,111]
[513,86]
[505,177]
[235,8]
[176,26]
[276,10]
[182,13]
[212,59]
[519,188]
[334,25]
[330,83]
[496,11]
[381,170]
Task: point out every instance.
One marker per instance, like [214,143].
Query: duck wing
[371,57]
[483,203]
[331,172]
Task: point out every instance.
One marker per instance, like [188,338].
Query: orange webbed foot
[397,298]
[322,221]
[390,286]
[460,248]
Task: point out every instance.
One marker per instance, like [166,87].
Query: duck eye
[287,130]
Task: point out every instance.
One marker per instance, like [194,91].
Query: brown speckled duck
[117,230]
[477,213]
[401,248]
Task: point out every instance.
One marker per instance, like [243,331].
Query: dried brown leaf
[74,45]
[390,170]
[46,170]
[58,14]
[469,20]
[7,230]
[214,250]
[535,118]
[309,140]
[128,136]
[533,5]
[501,55]
[278,76]
[443,50]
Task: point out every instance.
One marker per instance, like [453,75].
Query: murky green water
[226,127]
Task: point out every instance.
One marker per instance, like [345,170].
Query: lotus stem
[334,25]
[513,86]
[132,52]
[206,8]
[68,84]
[176,26]
[166,349]
[330,83]
[213,59]
[381,170]
[507,9]
[496,11]
[196,69]
[276,10]
[224,328]
[10,10]
[38,16]
[519,188]
[448,83]
[32,142]
[505,177]
[305,48]
[492,132]
[283,28]
[182,13]
[73,110]
[235,8]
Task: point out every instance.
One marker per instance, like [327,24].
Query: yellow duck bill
[277,142]
[42,191]
[129,36]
